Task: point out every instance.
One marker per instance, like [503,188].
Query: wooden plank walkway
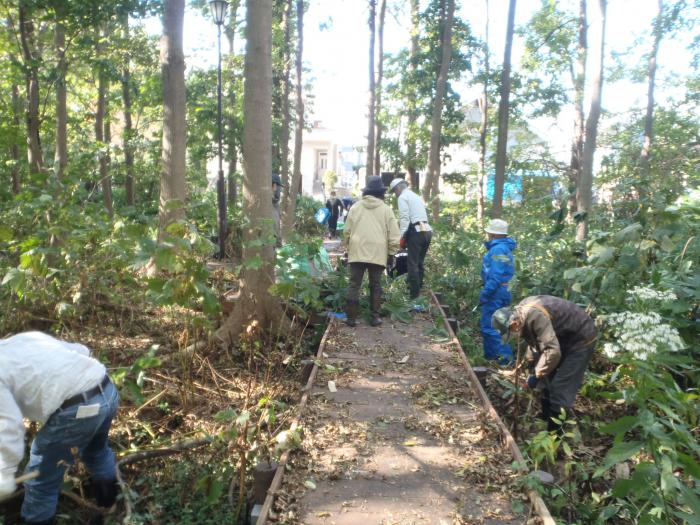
[403,439]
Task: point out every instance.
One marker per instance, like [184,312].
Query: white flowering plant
[655,435]
[641,333]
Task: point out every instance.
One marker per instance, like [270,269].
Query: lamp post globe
[218,9]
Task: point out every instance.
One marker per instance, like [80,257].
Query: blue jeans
[493,348]
[51,451]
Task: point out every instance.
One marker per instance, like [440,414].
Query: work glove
[531,382]
[7,483]
[402,243]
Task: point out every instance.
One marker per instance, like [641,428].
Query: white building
[321,152]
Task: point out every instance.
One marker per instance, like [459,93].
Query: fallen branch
[168,451]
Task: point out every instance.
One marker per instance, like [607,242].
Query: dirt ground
[402,440]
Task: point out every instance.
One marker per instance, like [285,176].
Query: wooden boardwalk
[394,434]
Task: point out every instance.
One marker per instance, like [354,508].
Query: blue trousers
[51,451]
[493,348]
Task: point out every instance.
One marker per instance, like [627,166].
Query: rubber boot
[375,302]
[105,494]
[351,309]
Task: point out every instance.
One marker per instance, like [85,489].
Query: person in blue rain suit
[496,271]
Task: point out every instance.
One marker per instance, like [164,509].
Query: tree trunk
[431,187]
[372,92]
[585,189]
[378,90]
[645,168]
[411,132]
[61,157]
[286,88]
[231,146]
[34,155]
[102,144]
[294,189]
[173,190]
[128,135]
[503,108]
[579,80]
[14,147]
[255,304]
[483,129]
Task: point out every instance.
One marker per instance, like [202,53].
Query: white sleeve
[11,432]
[404,215]
[78,348]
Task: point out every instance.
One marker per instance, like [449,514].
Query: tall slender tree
[101,119]
[294,188]
[255,301]
[14,147]
[411,131]
[173,190]
[483,128]
[378,88]
[128,133]
[431,187]
[371,104]
[584,195]
[645,167]
[61,154]
[31,65]
[231,120]
[503,110]
[579,78]
[286,89]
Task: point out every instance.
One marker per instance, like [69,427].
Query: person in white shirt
[416,233]
[59,385]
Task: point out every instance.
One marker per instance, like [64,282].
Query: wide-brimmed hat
[497,227]
[374,185]
[500,320]
[276,180]
[396,182]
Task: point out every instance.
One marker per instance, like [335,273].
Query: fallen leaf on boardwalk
[310,484]
[324,514]
[404,359]
[331,386]
[412,442]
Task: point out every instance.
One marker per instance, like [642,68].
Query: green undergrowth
[631,457]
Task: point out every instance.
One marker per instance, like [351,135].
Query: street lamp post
[218,9]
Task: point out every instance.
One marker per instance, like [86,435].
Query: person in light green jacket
[372,236]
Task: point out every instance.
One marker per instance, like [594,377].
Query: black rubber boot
[351,310]
[104,492]
[375,303]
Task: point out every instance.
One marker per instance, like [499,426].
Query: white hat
[497,226]
[395,183]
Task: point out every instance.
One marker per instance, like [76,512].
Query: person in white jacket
[59,385]
[416,233]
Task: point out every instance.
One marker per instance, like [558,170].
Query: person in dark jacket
[561,338]
[497,270]
[335,206]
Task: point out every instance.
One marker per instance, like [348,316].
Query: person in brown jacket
[372,236]
[561,338]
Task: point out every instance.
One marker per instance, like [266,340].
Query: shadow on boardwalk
[402,441]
